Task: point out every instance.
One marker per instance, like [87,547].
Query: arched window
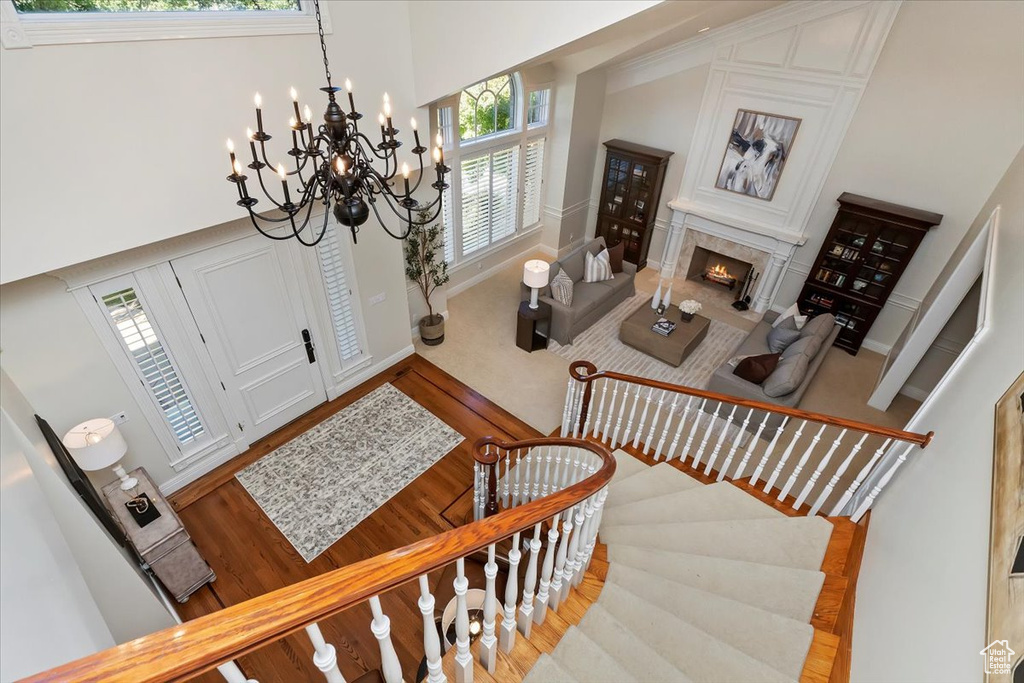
[494,133]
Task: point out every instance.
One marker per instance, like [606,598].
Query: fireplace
[718,270]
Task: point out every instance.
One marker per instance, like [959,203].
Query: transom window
[54,6]
[494,133]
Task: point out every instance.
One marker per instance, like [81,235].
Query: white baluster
[567,410]
[707,435]
[785,456]
[606,432]
[516,494]
[591,407]
[526,477]
[735,444]
[477,486]
[750,449]
[463,658]
[693,431]
[573,559]
[643,417]
[488,648]
[324,656]
[600,408]
[507,635]
[555,481]
[543,593]
[390,667]
[822,464]
[718,444]
[882,483]
[232,674]
[665,429]
[679,428]
[506,489]
[564,478]
[595,525]
[525,621]
[555,596]
[629,421]
[768,451]
[431,643]
[848,494]
[538,466]
[800,464]
[547,471]
[830,486]
[586,547]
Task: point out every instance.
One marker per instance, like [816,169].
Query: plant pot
[432,329]
[687,317]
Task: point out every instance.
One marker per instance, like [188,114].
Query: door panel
[245,298]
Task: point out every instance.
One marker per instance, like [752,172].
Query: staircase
[687,539]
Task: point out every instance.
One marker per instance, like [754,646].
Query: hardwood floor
[251,557]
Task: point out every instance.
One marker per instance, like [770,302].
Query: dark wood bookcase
[866,251]
[630,193]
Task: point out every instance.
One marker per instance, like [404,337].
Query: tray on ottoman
[636,331]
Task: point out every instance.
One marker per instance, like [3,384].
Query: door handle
[310,349]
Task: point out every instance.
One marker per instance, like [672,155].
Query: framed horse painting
[756,154]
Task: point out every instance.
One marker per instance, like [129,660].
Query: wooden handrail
[183,651]
[592,374]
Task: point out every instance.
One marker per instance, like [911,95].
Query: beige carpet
[479,349]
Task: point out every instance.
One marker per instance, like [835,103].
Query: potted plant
[425,265]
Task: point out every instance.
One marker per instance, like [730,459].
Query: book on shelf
[664,327]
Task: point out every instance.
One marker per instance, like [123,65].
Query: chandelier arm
[387,199]
[296,232]
[253,216]
[419,178]
[270,197]
[369,144]
[373,205]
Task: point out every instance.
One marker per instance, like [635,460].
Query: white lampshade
[535,273]
[96,444]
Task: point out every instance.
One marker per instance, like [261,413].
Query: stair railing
[218,639]
[773,447]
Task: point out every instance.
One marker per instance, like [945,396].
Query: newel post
[574,371]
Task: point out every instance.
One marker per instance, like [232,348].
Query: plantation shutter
[488,198]
[532,180]
[339,295]
[141,340]
[448,221]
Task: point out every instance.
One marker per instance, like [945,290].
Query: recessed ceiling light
[703,29]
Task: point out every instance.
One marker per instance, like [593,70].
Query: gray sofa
[798,372]
[590,300]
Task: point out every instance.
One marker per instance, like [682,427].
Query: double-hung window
[494,134]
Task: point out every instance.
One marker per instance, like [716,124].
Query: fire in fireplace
[718,273]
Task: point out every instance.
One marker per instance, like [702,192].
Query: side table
[163,543]
[527,336]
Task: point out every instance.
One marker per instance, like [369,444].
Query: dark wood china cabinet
[864,254]
[630,194]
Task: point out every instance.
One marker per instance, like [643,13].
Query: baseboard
[373,369]
[204,466]
[414,332]
[915,393]
[493,270]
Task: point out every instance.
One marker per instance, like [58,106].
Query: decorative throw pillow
[820,326]
[757,368]
[791,312]
[808,346]
[787,376]
[561,288]
[782,336]
[598,268]
[615,255]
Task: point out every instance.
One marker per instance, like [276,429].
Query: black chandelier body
[333,165]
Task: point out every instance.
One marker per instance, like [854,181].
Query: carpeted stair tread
[699,504]
[697,654]
[626,466]
[785,591]
[778,641]
[547,670]
[798,542]
[586,660]
[653,481]
[631,651]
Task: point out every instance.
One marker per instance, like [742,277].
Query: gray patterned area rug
[601,346]
[321,484]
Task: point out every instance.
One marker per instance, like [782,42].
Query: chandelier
[332,164]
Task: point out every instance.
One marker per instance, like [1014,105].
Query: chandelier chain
[323,42]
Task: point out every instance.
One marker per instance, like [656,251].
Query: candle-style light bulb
[386,98]
[280,172]
[307,113]
[259,114]
[340,164]
[231,153]
[258,100]
[295,94]
[348,85]
[439,139]
[284,183]
[238,168]
[380,119]
[412,123]
[248,133]
[405,170]
[231,145]
[292,122]
[387,109]
[351,102]
[437,155]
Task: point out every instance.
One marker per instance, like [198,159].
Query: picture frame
[756,153]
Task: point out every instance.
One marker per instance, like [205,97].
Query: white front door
[246,301]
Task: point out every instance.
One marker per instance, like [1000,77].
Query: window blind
[533,177]
[339,295]
[158,370]
[489,184]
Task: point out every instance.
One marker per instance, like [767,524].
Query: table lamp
[96,445]
[535,276]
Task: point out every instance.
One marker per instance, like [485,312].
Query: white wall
[938,124]
[457,43]
[921,596]
[137,130]
[125,599]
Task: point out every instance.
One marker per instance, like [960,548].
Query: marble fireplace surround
[768,251]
